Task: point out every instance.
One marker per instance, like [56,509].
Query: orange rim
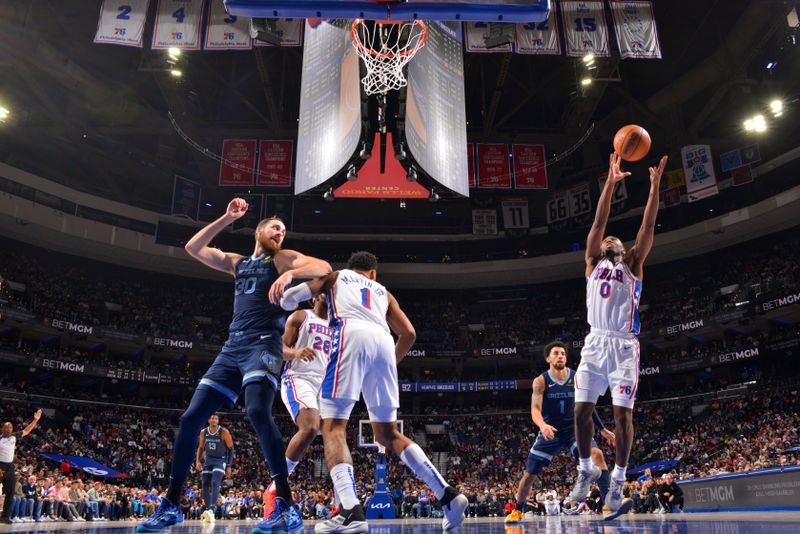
[373,53]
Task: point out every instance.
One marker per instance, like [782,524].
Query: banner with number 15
[178,24]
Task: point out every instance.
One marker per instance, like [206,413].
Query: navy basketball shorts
[543,450]
[245,359]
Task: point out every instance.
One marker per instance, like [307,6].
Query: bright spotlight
[176,73]
[174,52]
[586,81]
[588,58]
[776,106]
[4,113]
[759,124]
[748,125]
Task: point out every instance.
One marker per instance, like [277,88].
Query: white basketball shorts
[608,360]
[299,392]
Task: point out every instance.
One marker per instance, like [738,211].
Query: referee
[8,442]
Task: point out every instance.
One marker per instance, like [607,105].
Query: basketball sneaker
[583,482]
[269,499]
[166,515]
[624,507]
[284,519]
[516,516]
[208,516]
[453,506]
[613,498]
[346,521]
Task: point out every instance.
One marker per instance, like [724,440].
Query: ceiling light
[586,81]
[776,106]
[176,73]
[174,52]
[412,174]
[748,125]
[759,124]
[351,173]
[4,113]
[328,196]
[588,58]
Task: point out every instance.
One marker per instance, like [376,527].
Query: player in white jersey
[363,362]
[610,354]
[306,351]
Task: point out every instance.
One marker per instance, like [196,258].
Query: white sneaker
[613,497]
[454,510]
[208,516]
[583,482]
[351,522]
[16,520]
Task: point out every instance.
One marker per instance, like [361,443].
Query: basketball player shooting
[363,361]
[610,355]
[214,460]
[250,360]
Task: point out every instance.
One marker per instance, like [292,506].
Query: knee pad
[535,464]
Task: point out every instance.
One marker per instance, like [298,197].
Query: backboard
[469,10]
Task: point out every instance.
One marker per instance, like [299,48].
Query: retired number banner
[585,30]
[539,38]
[530,169]
[635,24]
[290,32]
[239,162]
[226,32]
[122,22]
[701,180]
[477,33]
[494,166]
[275,163]
[178,24]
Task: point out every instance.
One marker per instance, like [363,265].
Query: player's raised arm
[307,290]
[290,335]
[598,230]
[198,248]
[537,397]
[400,324]
[28,429]
[644,239]
[291,264]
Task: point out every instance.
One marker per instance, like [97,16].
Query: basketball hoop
[386,46]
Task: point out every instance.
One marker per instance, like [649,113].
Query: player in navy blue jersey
[250,360]
[214,460]
[552,407]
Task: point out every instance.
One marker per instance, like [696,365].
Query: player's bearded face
[271,236]
[612,248]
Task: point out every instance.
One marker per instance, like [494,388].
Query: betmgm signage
[777,488]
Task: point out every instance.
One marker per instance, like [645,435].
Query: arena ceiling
[95,116]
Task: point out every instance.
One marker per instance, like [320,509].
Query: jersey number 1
[366,298]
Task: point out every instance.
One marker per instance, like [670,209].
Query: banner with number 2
[122,22]
[178,24]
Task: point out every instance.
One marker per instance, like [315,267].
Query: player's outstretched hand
[276,291]
[236,208]
[306,355]
[656,172]
[37,414]
[609,436]
[549,432]
[615,174]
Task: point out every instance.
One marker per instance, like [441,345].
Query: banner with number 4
[122,22]
[178,24]
[226,32]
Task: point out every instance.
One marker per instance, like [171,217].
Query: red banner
[239,162]
[530,171]
[274,163]
[742,175]
[372,183]
[672,197]
[494,167]
[471,164]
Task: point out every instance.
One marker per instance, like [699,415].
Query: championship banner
[275,163]
[672,197]
[530,170]
[477,34]
[87,465]
[701,180]
[226,32]
[178,24]
[742,175]
[515,212]
[484,222]
[239,162]
[254,214]
[494,166]
[585,30]
[471,165]
[635,25]
[290,32]
[620,191]
[539,38]
[122,22]
[186,198]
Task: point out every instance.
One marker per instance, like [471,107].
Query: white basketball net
[385,49]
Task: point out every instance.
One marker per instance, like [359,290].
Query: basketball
[632,142]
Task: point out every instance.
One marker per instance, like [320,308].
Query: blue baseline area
[488,11]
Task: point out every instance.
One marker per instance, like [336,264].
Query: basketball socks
[585,464]
[344,484]
[418,462]
[619,473]
[205,402]
[603,483]
[290,465]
